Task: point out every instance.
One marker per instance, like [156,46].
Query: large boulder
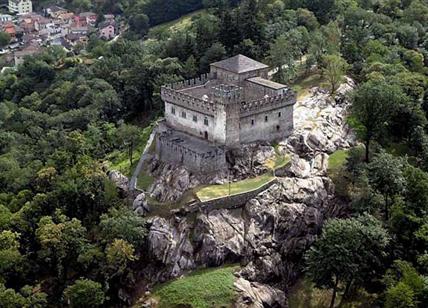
[140,205]
[119,180]
[257,295]
[220,236]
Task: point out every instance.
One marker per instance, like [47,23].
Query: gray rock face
[119,180]
[140,205]
[257,295]
[269,234]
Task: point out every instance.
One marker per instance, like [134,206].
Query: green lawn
[200,289]
[337,160]
[217,191]
[181,23]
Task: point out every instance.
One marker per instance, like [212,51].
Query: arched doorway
[206,135]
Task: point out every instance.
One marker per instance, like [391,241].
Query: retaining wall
[229,202]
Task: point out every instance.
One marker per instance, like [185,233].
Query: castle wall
[279,124]
[256,73]
[178,153]
[199,128]
[253,91]
[230,77]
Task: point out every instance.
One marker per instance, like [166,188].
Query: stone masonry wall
[229,202]
[174,153]
[204,122]
[271,125]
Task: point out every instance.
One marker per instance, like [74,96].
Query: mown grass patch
[304,295]
[201,289]
[217,191]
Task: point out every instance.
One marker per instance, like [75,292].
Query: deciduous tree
[347,253]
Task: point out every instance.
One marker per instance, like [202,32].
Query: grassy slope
[175,25]
[216,191]
[200,289]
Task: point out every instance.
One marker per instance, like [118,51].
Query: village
[30,31]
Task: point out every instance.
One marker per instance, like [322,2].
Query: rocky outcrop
[173,181]
[257,295]
[269,234]
[119,180]
[140,205]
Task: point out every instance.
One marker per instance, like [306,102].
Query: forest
[69,238]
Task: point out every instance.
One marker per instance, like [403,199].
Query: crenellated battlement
[234,104]
[267,103]
[187,101]
[189,83]
[225,93]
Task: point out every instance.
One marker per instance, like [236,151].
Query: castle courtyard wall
[168,149]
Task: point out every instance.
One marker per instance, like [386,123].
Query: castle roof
[239,64]
[267,83]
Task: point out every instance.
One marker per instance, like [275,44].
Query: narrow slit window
[266,118]
[172,110]
[195,118]
[252,122]
[183,114]
[279,114]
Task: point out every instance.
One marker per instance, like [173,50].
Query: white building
[5,17]
[20,6]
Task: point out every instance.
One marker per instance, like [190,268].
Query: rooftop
[267,83]
[239,64]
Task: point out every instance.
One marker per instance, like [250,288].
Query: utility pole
[228,178]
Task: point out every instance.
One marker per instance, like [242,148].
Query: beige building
[20,6]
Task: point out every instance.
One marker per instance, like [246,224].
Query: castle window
[195,118]
[277,127]
[206,121]
[172,110]
[183,114]
[266,118]
[252,122]
[279,114]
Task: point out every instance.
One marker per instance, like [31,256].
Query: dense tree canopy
[65,230]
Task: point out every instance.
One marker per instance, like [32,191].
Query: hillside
[335,214]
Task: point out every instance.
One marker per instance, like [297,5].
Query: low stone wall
[229,202]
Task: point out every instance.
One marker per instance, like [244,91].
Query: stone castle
[234,104]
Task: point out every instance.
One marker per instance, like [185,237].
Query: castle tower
[226,127]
